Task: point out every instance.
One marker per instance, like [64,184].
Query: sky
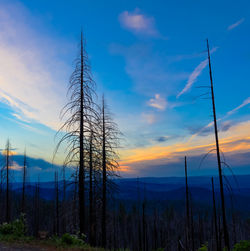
[150,60]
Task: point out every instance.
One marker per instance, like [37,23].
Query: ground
[21,247]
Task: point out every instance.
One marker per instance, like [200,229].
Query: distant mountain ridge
[159,189]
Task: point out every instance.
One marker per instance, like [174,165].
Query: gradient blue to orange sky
[148,57]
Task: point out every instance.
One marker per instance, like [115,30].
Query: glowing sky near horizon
[148,58]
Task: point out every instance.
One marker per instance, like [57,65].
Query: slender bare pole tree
[218,248]
[37,209]
[24,181]
[226,236]
[91,207]
[7,167]
[64,211]
[187,206]
[56,203]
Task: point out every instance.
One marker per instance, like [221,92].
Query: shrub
[17,228]
[67,239]
[203,247]
[6,229]
[242,246]
[71,240]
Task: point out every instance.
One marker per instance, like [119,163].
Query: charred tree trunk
[155,229]
[192,228]
[187,208]
[233,220]
[91,208]
[81,181]
[7,218]
[24,183]
[104,177]
[218,247]
[37,210]
[64,212]
[144,227]
[74,213]
[78,113]
[225,230]
[57,204]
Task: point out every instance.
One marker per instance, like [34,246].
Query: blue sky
[148,58]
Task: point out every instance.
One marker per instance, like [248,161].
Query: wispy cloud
[236,24]
[193,77]
[158,102]
[195,74]
[32,76]
[225,126]
[244,103]
[149,70]
[138,23]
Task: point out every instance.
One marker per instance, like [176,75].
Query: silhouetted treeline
[136,225]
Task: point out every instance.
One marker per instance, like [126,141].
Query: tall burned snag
[225,229]
[76,127]
[109,144]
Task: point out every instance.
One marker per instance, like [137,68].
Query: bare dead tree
[225,229]
[155,229]
[91,206]
[78,112]
[64,202]
[218,248]
[56,204]
[109,144]
[7,168]
[24,181]
[144,233]
[187,208]
[37,209]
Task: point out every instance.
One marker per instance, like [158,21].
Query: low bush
[71,240]
[15,229]
[203,247]
[242,246]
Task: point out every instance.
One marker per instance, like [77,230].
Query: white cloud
[138,23]
[158,102]
[234,25]
[33,79]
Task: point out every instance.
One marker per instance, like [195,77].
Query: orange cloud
[235,140]
[11,152]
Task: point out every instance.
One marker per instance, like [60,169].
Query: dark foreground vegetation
[86,207]
[132,224]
